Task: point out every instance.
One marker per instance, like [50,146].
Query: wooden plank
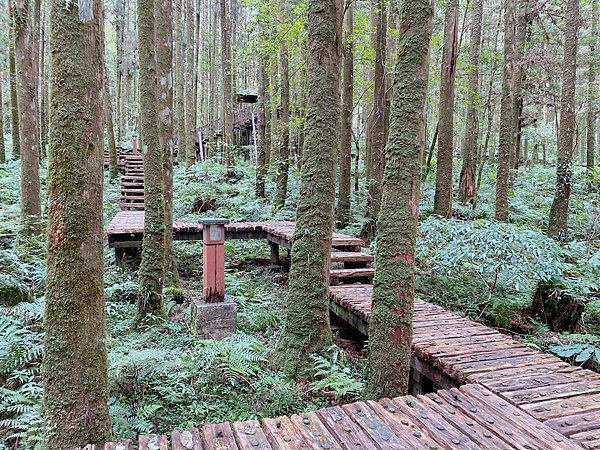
[439,427]
[564,407]
[453,348]
[351,257]
[558,391]
[588,439]
[186,440]
[153,442]
[314,433]
[120,444]
[517,418]
[381,434]
[218,437]
[577,423]
[250,436]
[347,433]
[281,434]
[517,372]
[534,380]
[472,428]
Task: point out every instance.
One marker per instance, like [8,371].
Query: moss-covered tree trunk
[75,364]
[164,68]
[390,329]
[261,169]
[31,204]
[2,147]
[179,81]
[377,125]
[190,115]
[306,329]
[466,188]
[343,206]
[283,157]
[506,138]
[515,156]
[151,273]
[559,211]
[43,89]
[442,202]
[110,131]
[227,79]
[212,110]
[14,102]
[592,103]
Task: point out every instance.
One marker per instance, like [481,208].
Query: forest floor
[162,378]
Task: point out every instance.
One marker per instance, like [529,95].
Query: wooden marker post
[134,138]
[213,285]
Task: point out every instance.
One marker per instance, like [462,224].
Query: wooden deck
[471,417]
[452,350]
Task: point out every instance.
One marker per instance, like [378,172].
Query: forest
[370,171]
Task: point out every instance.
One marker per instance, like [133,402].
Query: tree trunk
[213,84]
[283,158]
[179,81]
[505,140]
[557,221]
[377,128]
[75,368]
[164,71]
[190,117]
[343,206]
[261,151]
[43,117]
[373,19]
[306,330]
[466,186]
[151,272]
[227,111]
[442,202]
[390,330]
[520,42]
[112,148]
[14,102]
[31,205]
[35,59]
[592,108]
[119,31]
[2,147]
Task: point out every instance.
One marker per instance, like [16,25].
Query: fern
[335,378]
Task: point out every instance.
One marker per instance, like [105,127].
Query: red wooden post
[213,285]
[134,137]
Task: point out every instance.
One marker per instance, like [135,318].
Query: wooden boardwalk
[452,350]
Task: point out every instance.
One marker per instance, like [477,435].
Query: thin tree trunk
[75,367]
[190,116]
[179,81]
[306,330]
[506,142]
[466,186]
[43,88]
[592,108]
[151,272]
[227,111]
[112,149]
[260,160]
[390,330]
[14,102]
[31,205]
[559,212]
[213,84]
[343,206]
[442,202]
[2,147]
[283,158]
[522,24]
[120,31]
[373,19]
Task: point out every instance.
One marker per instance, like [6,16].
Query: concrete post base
[214,320]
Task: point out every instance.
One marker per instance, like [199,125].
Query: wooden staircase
[132,184]
[357,268]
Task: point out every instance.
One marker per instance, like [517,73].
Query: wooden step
[364,275]
[133,185]
[351,257]
[126,206]
[131,191]
[132,197]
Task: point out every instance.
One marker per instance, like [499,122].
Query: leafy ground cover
[162,378]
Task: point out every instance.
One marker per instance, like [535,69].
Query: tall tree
[343,206]
[164,69]
[151,272]
[592,104]
[306,330]
[110,131]
[179,81]
[506,138]
[442,202]
[227,110]
[190,73]
[559,211]
[2,147]
[43,89]
[31,204]
[261,167]
[520,38]
[377,125]
[75,367]
[14,102]
[390,330]
[283,158]
[467,174]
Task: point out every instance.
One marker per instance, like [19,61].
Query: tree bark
[2,146]
[521,33]
[179,82]
[151,272]
[164,70]
[112,148]
[505,140]
[466,186]
[75,368]
[343,206]
[390,330]
[592,108]
[227,111]
[31,205]
[43,89]
[14,102]
[442,202]
[283,158]
[559,211]
[306,329]
[261,151]
[190,117]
